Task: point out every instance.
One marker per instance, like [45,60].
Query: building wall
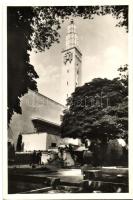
[34,105]
[40,141]
[58,140]
[36,141]
[43,141]
[53,139]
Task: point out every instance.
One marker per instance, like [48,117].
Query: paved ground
[67,175]
[18,183]
[23,178]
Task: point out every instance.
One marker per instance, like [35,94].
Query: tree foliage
[48,20]
[37,27]
[123,73]
[19,143]
[21,74]
[98,109]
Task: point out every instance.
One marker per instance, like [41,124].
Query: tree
[19,143]
[21,74]
[98,109]
[124,75]
[37,27]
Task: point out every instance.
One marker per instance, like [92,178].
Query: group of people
[36,157]
[66,154]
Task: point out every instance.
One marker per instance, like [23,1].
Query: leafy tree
[124,75]
[21,74]
[37,27]
[19,143]
[98,109]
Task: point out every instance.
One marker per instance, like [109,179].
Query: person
[60,153]
[87,157]
[70,148]
[95,148]
[34,157]
[39,156]
[67,158]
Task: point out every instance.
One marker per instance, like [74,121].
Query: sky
[104,48]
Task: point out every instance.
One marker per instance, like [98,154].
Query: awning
[42,125]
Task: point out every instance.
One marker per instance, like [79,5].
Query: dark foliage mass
[21,74]
[37,27]
[19,143]
[98,109]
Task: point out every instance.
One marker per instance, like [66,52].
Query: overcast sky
[104,48]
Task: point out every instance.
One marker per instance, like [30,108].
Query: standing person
[60,153]
[64,156]
[34,157]
[39,155]
[70,148]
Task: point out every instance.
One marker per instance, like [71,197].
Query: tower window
[67,82]
[77,71]
[67,70]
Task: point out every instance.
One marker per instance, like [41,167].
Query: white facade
[44,141]
[34,141]
[72,63]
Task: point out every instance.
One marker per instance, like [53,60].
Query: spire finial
[71,38]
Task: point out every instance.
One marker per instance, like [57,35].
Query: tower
[72,61]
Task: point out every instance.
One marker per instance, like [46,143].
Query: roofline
[72,48]
[47,98]
[43,120]
[31,133]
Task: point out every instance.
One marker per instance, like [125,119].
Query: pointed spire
[71,37]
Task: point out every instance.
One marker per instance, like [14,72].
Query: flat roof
[42,126]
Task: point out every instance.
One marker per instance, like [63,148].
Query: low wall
[25,158]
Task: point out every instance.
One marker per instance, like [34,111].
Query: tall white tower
[72,62]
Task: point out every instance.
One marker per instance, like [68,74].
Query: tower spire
[72,63]
[71,37]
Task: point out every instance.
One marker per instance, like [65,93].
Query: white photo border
[4,98]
